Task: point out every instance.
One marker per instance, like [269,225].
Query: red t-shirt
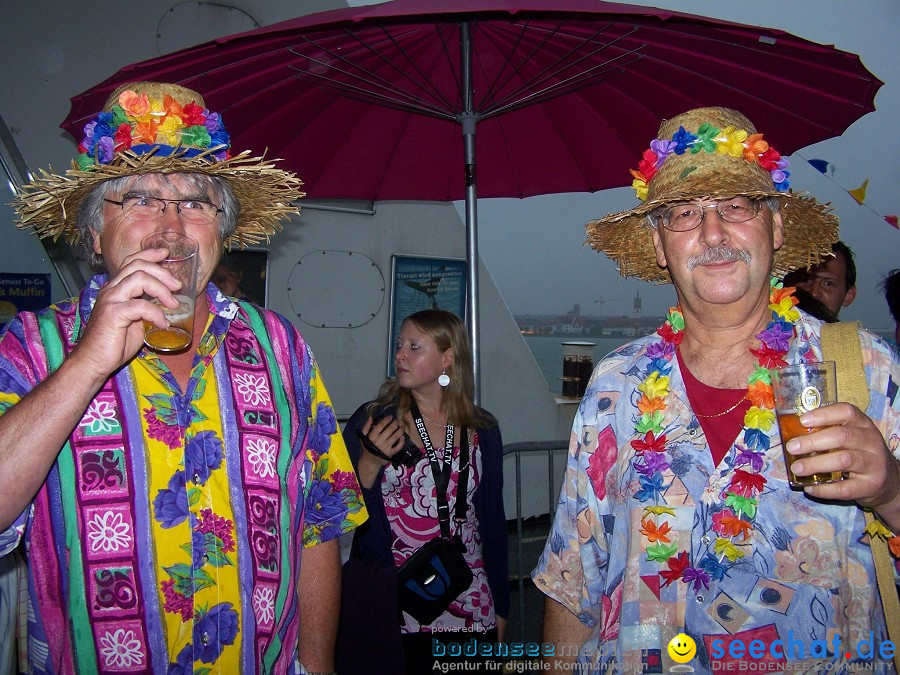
[705,400]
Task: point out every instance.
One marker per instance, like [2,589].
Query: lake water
[548,352]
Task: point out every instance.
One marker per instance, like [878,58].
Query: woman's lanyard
[441,471]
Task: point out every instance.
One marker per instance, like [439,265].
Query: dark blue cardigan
[372,540]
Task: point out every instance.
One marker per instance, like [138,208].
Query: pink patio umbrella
[383,101]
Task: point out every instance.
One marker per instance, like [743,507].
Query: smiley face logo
[682,648]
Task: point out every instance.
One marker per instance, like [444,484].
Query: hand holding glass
[799,389]
[182,263]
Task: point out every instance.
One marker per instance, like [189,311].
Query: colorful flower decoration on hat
[711,139]
[140,123]
[734,504]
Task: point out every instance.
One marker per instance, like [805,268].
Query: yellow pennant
[859,194]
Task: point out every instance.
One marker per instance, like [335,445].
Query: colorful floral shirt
[810,575]
[168,535]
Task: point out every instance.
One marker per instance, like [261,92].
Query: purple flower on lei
[661,349]
[697,577]
[213,122]
[89,141]
[217,628]
[654,462]
[171,505]
[325,426]
[683,139]
[777,336]
[747,456]
[106,149]
[183,662]
[202,456]
[663,149]
[780,178]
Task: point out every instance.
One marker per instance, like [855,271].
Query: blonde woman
[428,404]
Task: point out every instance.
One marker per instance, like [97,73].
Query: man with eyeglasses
[181,510]
[675,516]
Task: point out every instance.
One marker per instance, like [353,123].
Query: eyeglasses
[686,217]
[192,211]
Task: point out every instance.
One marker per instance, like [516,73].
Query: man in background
[832,281]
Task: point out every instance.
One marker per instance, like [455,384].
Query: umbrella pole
[468,120]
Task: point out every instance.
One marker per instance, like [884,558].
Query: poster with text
[424,283]
[22,293]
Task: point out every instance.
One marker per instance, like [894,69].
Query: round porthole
[336,289]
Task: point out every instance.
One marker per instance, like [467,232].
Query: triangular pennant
[892,219]
[819,164]
[859,194]
[652,582]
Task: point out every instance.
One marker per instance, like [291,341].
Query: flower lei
[711,139]
[734,517]
[138,120]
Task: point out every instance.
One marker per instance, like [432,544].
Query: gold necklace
[437,424]
[724,412]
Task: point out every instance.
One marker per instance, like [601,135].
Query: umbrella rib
[424,83]
[488,95]
[520,97]
[358,75]
[376,90]
[584,79]
[365,95]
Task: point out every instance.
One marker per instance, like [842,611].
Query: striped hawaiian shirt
[168,535]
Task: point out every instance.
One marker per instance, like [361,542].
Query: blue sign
[424,283]
[22,293]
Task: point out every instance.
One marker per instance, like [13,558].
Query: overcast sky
[540,238]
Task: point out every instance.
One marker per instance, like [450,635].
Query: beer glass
[182,262]
[799,389]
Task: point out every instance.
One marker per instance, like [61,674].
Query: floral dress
[410,501]
[168,536]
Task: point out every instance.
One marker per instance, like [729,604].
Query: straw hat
[712,153]
[155,127]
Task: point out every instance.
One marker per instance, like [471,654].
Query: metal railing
[550,450]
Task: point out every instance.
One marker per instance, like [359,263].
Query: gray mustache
[719,254]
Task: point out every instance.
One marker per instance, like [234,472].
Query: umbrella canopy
[567,93]
[367,102]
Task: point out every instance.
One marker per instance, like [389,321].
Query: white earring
[444,379]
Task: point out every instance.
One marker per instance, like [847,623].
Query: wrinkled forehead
[175,185]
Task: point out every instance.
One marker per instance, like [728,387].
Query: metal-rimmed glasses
[688,216]
[195,211]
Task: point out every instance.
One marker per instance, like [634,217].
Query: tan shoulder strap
[840,343]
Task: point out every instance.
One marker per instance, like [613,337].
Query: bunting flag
[859,194]
[822,166]
[828,170]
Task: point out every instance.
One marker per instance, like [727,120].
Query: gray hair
[652,219]
[89,218]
